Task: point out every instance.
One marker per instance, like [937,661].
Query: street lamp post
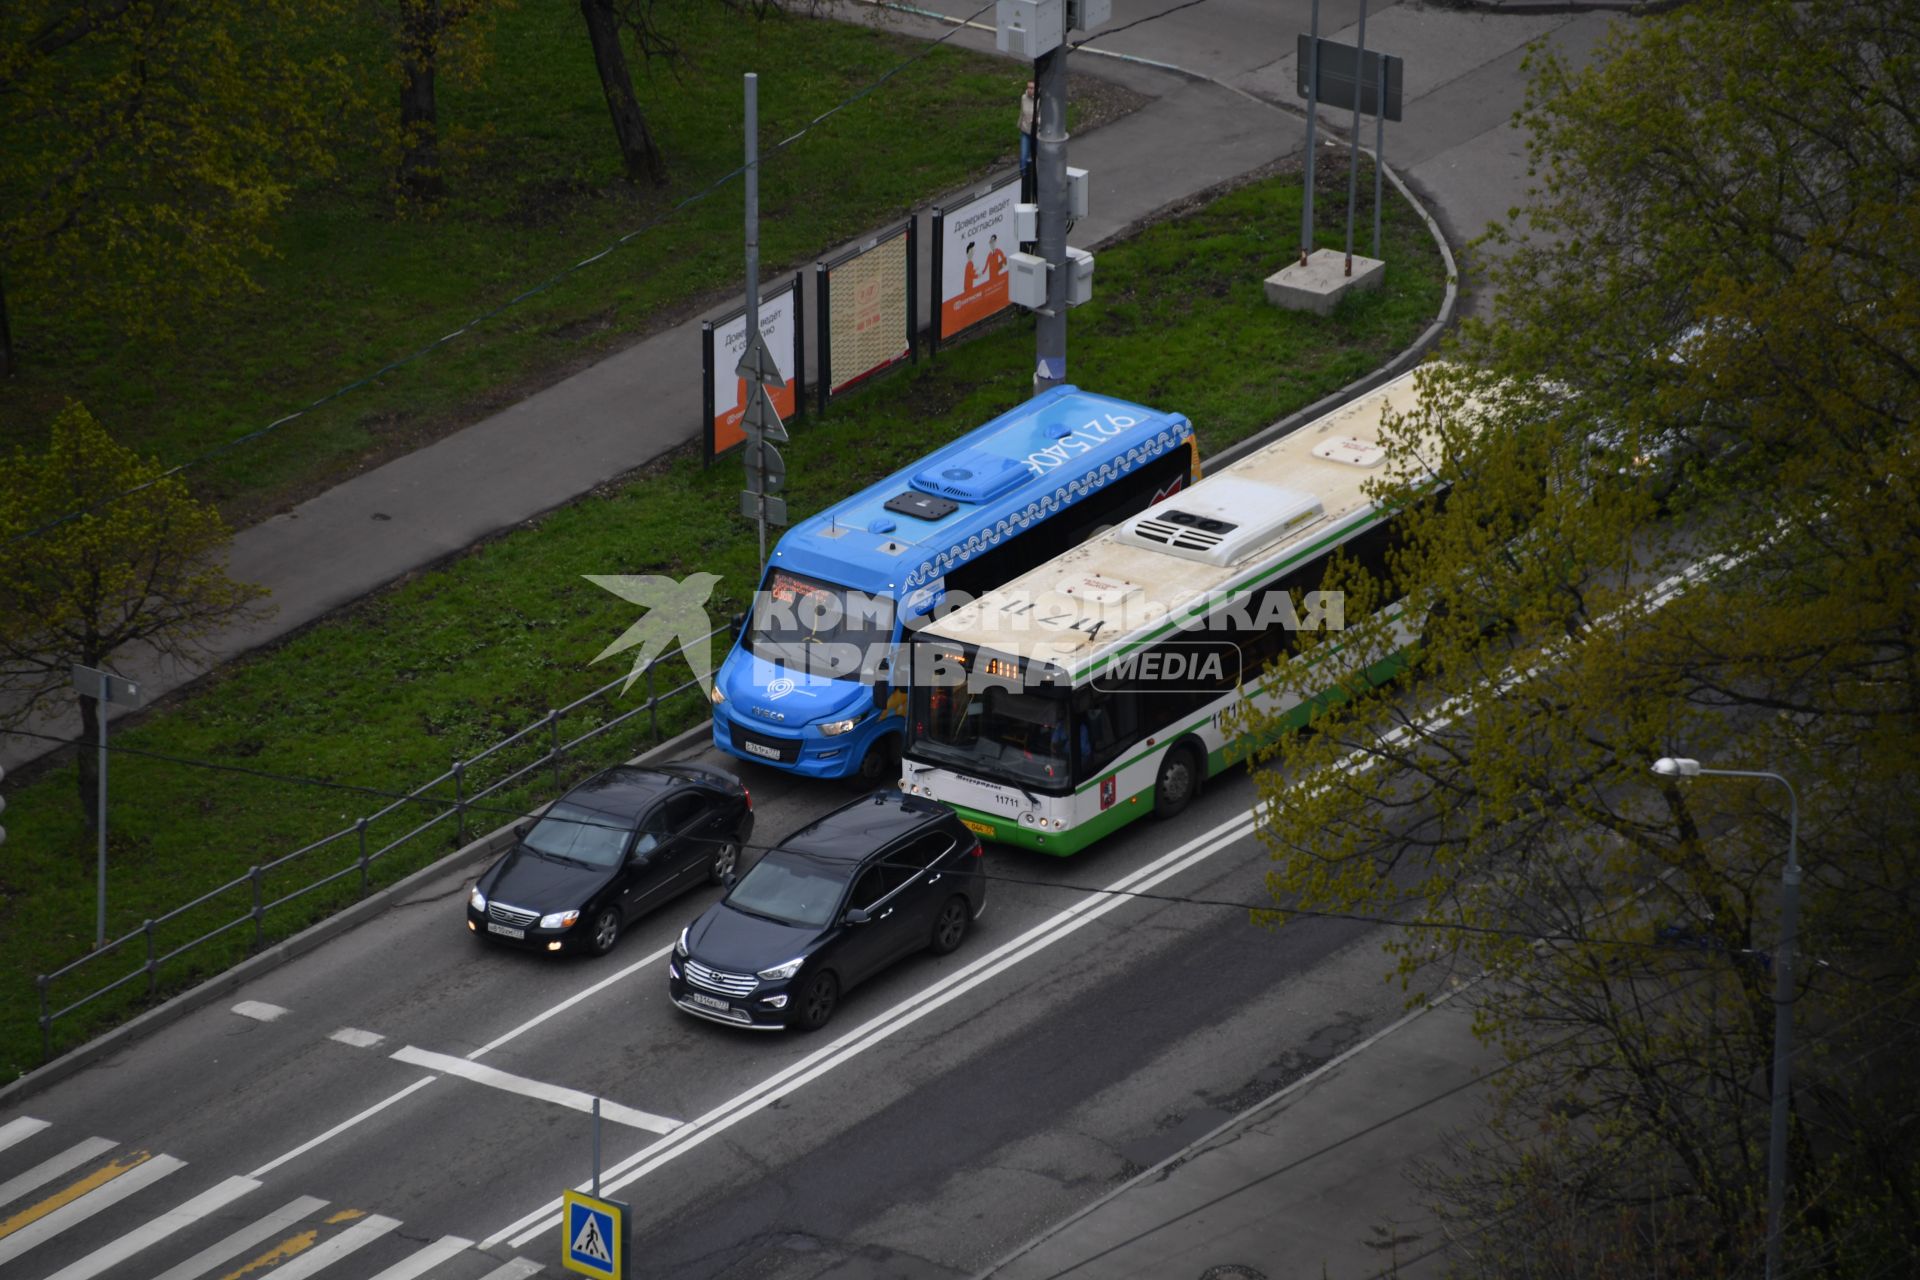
[1681,767]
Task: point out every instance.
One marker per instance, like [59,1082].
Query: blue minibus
[806,686]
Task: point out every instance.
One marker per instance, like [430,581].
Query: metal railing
[263,896]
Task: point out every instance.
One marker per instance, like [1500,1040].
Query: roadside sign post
[766,470]
[106,688]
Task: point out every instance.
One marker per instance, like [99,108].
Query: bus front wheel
[881,764]
[1179,781]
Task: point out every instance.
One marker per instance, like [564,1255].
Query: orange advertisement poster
[975,241]
[778,315]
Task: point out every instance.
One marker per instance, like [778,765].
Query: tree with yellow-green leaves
[149,147]
[88,574]
[1683,519]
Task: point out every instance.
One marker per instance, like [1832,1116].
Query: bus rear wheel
[1179,781]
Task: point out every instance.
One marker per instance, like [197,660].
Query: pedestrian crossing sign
[593,1235]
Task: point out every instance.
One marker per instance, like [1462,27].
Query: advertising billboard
[867,299]
[726,341]
[972,247]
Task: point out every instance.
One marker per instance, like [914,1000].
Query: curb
[309,939]
[1242,1120]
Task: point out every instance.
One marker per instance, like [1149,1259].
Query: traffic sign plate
[757,364]
[593,1236]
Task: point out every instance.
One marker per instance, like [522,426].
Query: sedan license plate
[505,930]
[755,749]
[709,1001]
[978,828]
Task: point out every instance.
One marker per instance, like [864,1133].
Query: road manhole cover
[1232,1271]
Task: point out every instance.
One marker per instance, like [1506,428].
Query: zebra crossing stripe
[426,1259]
[245,1238]
[99,1190]
[47,1170]
[19,1128]
[518,1269]
[360,1234]
[157,1230]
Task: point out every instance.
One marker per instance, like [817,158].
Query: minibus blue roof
[1024,466]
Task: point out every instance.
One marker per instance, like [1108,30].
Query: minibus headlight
[838,727]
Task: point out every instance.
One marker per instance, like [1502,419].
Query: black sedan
[835,903]
[612,849]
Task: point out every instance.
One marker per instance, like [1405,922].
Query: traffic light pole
[1050,170]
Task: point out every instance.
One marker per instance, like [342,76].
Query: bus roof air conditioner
[1222,521]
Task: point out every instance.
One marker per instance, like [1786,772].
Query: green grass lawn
[389,692]
[540,188]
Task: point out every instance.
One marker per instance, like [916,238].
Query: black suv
[831,905]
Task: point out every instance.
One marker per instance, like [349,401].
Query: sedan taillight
[748,797]
[979,850]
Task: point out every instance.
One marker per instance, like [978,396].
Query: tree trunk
[90,762]
[419,173]
[637,148]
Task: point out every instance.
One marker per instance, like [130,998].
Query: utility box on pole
[1029,28]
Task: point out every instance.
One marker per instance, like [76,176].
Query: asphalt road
[954,1107]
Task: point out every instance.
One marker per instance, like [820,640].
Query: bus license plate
[755,749]
[978,828]
[505,931]
[709,1001]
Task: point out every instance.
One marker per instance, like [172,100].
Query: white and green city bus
[1096,688]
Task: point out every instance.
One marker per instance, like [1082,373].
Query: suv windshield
[570,831]
[791,888]
[822,628]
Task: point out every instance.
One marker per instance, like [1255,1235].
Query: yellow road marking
[98,1178]
[293,1244]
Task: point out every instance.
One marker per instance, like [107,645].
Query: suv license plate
[505,931]
[709,1001]
[755,749]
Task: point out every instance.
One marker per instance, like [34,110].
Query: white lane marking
[518,1269]
[342,1127]
[560,1094]
[157,1230]
[245,1238]
[259,1010]
[572,1000]
[357,1038]
[1045,934]
[359,1235]
[426,1259]
[653,959]
[77,1211]
[18,1129]
[52,1167]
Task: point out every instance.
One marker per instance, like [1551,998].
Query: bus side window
[1108,723]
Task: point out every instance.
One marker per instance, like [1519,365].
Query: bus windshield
[1020,736]
[822,628]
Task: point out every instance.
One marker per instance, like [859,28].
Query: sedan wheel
[606,931]
[818,999]
[950,926]
[725,859]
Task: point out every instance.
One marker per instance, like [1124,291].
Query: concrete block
[1323,281]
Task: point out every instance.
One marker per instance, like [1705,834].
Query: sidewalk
[1310,1183]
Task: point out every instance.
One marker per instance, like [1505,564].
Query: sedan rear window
[792,888]
[582,835]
